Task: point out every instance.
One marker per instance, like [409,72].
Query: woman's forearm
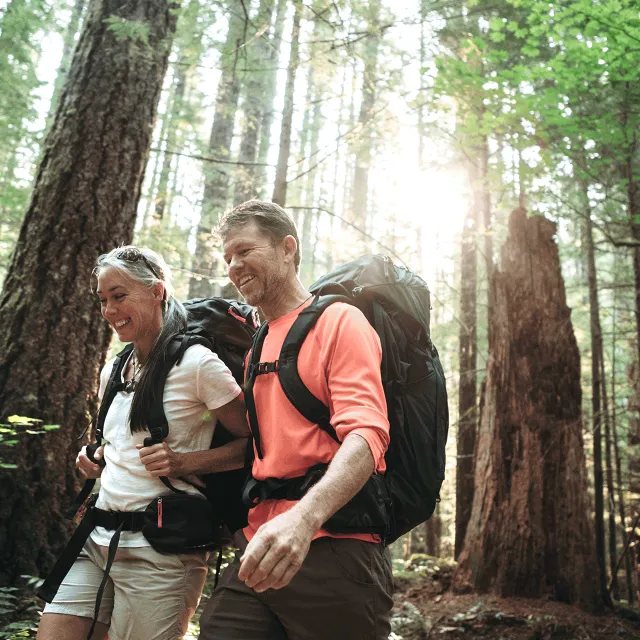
[225,458]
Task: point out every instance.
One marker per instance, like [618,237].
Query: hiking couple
[291,578]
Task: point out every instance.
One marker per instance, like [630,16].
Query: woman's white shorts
[148,594]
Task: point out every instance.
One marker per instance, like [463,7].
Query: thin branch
[210,159]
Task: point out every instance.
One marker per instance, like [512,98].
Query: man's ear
[290,247]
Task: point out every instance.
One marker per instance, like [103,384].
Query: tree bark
[69,43]
[280,187]
[614,427]
[270,92]
[467,391]
[596,390]
[364,150]
[52,337]
[246,177]
[162,191]
[529,532]
[433,534]
[216,185]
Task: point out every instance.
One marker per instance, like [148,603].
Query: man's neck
[290,299]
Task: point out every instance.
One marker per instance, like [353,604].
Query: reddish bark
[529,532]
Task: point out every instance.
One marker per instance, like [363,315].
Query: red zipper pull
[159,513]
[236,315]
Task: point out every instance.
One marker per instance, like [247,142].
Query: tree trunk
[270,93]
[216,184]
[69,43]
[52,337]
[246,185]
[467,391]
[433,534]
[614,427]
[364,150]
[280,187]
[596,390]
[611,492]
[529,532]
[162,193]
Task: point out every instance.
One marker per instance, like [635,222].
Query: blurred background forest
[419,129]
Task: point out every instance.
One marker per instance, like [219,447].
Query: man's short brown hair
[271,218]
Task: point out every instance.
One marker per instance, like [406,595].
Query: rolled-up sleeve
[357,400]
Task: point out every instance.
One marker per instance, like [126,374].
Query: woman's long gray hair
[148,268]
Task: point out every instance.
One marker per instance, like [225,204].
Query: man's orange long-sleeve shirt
[339,363]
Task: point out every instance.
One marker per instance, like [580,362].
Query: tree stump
[529,533]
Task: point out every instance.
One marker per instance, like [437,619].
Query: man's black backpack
[226,327]
[396,302]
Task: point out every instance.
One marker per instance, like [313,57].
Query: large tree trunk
[529,532]
[216,185]
[52,337]
[280,187]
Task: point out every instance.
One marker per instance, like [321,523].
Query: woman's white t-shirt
[194,389]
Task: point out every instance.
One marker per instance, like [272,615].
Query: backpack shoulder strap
[110,392]
[296,391]
[157,422]
[112,389]
[254,359]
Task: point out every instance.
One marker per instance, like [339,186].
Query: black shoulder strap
[157,423]
[300,397]
[250,378]
[111,390]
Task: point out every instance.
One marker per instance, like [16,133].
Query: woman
[148,594]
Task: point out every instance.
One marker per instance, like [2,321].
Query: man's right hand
[88,469]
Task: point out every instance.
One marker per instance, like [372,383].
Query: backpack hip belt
[367,512]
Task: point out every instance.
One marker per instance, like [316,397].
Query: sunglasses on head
[132,254]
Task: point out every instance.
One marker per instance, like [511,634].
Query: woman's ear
[159,291]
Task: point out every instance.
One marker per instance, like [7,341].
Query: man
[293,579]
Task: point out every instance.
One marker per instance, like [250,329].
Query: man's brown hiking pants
[341,592]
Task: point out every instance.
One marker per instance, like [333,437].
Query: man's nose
[234,264]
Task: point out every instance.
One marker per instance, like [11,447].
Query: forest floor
[450,616]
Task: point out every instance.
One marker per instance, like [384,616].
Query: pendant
[129,386]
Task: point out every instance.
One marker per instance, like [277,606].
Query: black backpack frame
[396,303]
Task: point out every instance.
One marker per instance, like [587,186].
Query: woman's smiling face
[131,308]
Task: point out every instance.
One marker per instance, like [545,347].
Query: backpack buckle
[267,367]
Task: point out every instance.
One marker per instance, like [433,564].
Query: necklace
[130,385]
